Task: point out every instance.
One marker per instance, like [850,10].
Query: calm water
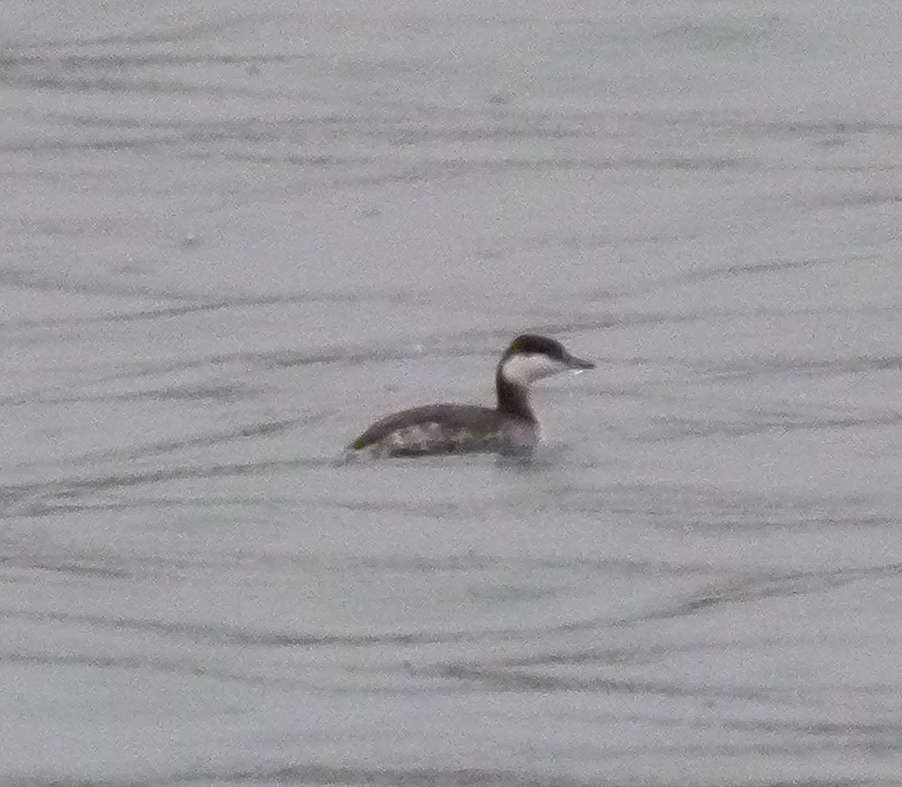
[233,235]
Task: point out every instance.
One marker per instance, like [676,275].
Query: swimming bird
[510,427]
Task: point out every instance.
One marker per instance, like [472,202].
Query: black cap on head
[528,343]
[531,343]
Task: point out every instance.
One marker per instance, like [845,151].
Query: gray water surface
[233,235]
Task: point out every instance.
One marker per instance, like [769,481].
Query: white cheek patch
[523,368]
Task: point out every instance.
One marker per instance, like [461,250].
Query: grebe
[509,428]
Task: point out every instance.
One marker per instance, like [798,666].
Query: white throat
[524,368]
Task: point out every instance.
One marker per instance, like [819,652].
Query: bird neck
[513,398]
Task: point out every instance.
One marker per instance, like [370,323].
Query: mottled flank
[432,437]
[446,429]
